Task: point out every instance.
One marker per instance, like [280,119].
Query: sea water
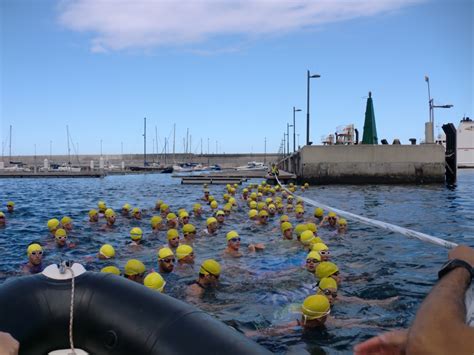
[389,273]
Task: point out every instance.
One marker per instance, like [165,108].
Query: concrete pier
[368,164]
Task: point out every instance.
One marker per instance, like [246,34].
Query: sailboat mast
[68,147]
[144,142]
[174,141]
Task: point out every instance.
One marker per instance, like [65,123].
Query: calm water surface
[264,289]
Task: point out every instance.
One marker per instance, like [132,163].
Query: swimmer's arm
[256,247]
[273,331]
[354,299]
[439,326]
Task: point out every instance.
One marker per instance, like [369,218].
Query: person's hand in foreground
[390,343]
[8,344]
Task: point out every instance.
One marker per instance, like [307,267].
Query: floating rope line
[391,227]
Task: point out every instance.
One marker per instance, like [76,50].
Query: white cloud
[124,24]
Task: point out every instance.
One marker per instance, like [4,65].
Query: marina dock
[51,174]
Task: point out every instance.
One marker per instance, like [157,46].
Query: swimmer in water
[61,239]
[287,230]
[166,260]
[137,213]
[185,255]
[110,217]
[10,206]
[330,221]
[197,210]
[314,314]
[158,205]
[93,216]
[220,216]
[35,259]
[208,278]
[106,252]
[157,224]
[136,235]
[3,220]
[211,226]
[262,218]
[233,245]
[134,270]
[66,223]
[328,269]
[155,281]
[173,238]
[312,261]
[164,210]
[183,218]
[126,210]
[189,233]
[323,250]
[341,226]
[318,214]
[53,225]
[172,221]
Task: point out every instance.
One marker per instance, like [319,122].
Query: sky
[230,72]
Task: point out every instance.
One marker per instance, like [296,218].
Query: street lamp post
[309,76]
[288,138]
[294,127]
[429,138]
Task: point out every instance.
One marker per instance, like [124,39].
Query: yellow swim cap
[101,204]
[126,207]
[10,203]
[285,226]
[327,282]
[164,207]
[154,281]
[92,212]
[263,213]
[319,246]
[253,205]
[214,204]
[183,214]
[300,228]
[268,200]
[299,209]
[196,206]
[136,233]
[32,248]
[155,220]
[210,266]
[211,220]
[66,220]
[60,233]
[2,214]
[220,213]
[53,224]
[111,270]
[313,255]
[211,198]
[159,203]
[109,213]
[261,206]
[307,237]
[312,227]
[134,267]
[332,214]
[318,212]
[315,306]
[183,250]
[136,210]
[164,253]
[253,213]
[342,222]
[326,269]
[227,207]
[189,228]
[170,216]
[284,218]
[231,235]
[107,251]
[172,233]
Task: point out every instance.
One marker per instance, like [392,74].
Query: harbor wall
[224,160]
[368,164]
